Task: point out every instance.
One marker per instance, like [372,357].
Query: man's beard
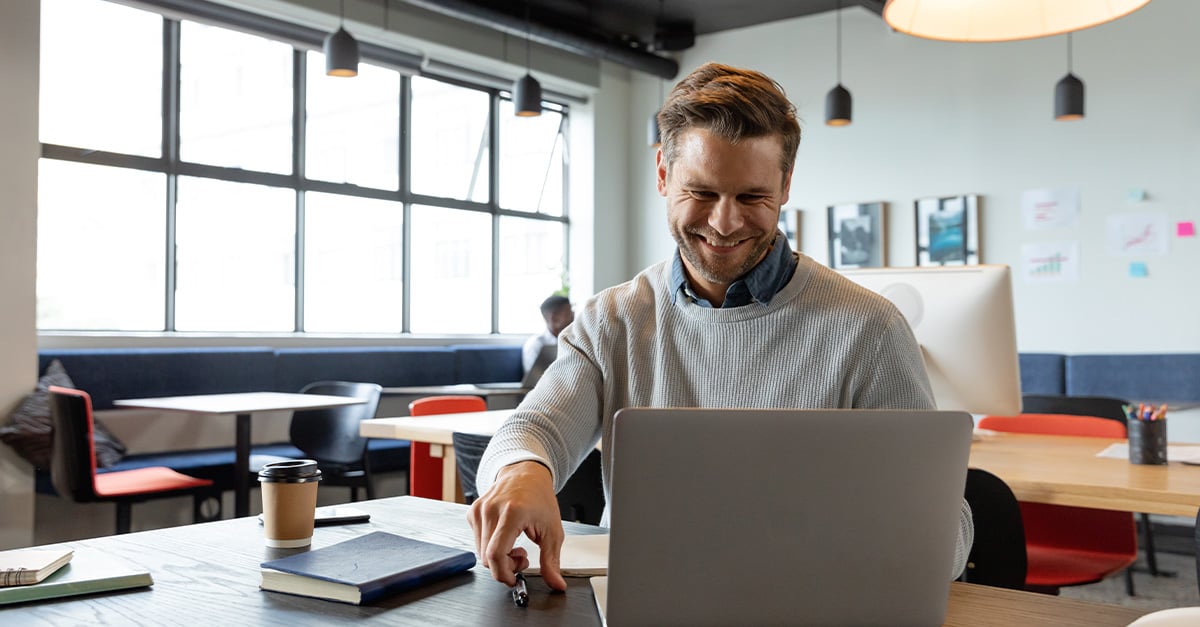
[724,272]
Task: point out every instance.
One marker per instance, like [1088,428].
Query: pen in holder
[1147,441]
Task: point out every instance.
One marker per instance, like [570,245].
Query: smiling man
[733,319]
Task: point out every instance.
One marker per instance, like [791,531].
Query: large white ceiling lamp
[1001,20]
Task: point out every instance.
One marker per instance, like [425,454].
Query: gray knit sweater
[822,342]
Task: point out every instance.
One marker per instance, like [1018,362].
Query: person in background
[557,312]
[733,319]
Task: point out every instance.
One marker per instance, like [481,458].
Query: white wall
[937,119]
[18,236]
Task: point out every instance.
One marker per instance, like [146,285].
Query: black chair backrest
[72,461]
[468,450]
[998,556]
[1099,406]
[331,434]
[580,500]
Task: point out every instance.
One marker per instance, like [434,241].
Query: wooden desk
[436,430]
[469,389]
[209,574]
[1063,470]
[241,405]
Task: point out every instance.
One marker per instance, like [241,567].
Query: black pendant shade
[341,54]
[527,96]
[1068,98]
[838,106]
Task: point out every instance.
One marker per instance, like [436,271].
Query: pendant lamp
[1001,20]
[1068,93]
[838,104]
[341,49]
[527,92]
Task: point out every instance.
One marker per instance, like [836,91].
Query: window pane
[449,140]
[353,126]
[353,259]
[451,271]
[531,268]
[235,99]
[531,161]
[101,77]
[235,248]
[101,234]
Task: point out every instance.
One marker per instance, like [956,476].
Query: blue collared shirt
[759,285]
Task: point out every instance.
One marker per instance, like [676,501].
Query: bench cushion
[1043,373]
[109,374]
[485,364]
[1164,377]
[392,366]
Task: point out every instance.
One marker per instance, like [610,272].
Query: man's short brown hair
[733,104]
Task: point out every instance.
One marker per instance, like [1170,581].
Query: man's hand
[521,500]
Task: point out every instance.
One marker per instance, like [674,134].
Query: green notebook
[89,571]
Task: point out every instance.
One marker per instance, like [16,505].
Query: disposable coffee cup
[289,494]
[1147,441]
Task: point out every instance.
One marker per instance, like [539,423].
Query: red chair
[424,470]
[73,466]
[1069,546]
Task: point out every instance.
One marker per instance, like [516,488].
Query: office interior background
[930,119]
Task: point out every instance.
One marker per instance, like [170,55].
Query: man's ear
[787,187]
[661,172]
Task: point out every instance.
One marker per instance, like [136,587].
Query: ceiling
[633,21]
[624,30]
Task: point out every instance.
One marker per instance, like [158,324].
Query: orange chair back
[431,405]
[1055,424]
[424,470]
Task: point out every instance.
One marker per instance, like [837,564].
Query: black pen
[520,592]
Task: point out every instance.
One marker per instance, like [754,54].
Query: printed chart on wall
[1137,234]
[1050,262]
[1050,208]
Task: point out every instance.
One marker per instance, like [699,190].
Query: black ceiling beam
[874,6]
[576,43]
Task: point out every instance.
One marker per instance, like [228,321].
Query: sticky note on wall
[1138,270]
[1187,228]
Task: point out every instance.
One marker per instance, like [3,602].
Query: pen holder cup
[1147,441]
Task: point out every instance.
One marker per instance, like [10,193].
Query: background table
[209,574]
[436,430]
[241,405]
[1064,470]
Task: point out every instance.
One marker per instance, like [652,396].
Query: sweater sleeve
[557,424]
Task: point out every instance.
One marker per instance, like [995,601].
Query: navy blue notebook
[363,569]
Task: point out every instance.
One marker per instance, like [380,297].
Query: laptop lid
[545,357]
[784,517]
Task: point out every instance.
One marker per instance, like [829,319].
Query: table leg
[451,490]
[241,470]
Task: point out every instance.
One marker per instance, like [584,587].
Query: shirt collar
[759,285]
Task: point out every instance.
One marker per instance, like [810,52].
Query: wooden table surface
[1064,470]
[209,574]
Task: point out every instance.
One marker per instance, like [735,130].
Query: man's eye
[703,194]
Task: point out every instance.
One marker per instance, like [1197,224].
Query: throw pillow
[30,429]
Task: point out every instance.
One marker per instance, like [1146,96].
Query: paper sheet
[1175,452]
[581,556]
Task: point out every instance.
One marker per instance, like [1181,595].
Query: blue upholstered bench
[1043,373]
[1137,377]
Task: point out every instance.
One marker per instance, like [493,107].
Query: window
[101,237]
[400,204]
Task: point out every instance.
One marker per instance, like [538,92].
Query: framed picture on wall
[857,235]
[789,223]
[947,230]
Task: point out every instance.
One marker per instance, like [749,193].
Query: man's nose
[727,216]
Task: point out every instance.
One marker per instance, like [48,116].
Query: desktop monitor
[963,319]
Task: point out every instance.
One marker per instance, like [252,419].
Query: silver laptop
[784,517]
[545,357]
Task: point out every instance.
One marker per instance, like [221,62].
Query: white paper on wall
[1137,234]
[1050,262]
[1050,208]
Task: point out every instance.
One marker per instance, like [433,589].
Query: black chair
[330,436]
[73,467]
[580,500]
[1101,407]
[997,557]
